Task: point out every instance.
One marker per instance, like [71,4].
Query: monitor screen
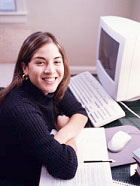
[108,52]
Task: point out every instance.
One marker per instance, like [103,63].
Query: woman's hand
[61,121]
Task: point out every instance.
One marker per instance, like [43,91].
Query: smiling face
[46,68]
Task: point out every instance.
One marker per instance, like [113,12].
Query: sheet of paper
[91,145]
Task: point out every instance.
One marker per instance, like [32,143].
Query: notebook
[91,145]
[115,183]
[136,154]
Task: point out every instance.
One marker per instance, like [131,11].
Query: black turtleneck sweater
[26,118]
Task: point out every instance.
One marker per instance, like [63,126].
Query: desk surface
[129,119]
[122,173]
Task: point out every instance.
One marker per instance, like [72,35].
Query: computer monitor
[118,57]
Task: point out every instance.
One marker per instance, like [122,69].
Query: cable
[130,109]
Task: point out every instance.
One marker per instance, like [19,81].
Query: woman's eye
[58,62]
[40,62]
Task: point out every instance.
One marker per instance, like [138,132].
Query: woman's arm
[71,128]
[72,143]
[59,159]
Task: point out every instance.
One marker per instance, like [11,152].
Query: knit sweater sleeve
[69,105]
[59,159]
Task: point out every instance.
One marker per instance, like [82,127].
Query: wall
[135,13]
[74,22]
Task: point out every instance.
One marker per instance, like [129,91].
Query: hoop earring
[24,77]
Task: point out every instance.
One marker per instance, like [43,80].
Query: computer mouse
[118,141]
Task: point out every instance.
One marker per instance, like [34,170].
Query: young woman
[30,107]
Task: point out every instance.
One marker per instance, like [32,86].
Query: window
[12,11]
[7,5]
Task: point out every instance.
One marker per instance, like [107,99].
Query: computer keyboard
[100,107]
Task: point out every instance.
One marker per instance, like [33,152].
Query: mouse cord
[130,109]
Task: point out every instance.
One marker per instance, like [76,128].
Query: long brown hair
[28,49]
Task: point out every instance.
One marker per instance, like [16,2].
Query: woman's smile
[49,79]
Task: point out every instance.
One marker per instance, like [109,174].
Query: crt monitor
[118,57]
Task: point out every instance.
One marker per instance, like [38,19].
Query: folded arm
[69,128]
